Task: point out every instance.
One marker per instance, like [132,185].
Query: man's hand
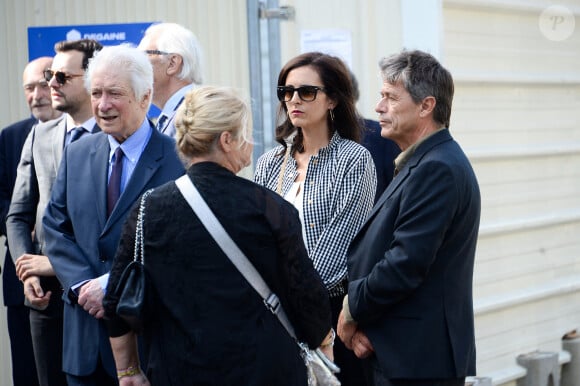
[361,345]
[345,330]
[34,293]
[91,298]
[28,265]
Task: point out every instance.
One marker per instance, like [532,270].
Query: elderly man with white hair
[100,178]
[175,55]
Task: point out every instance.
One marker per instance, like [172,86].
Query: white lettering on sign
[106,36]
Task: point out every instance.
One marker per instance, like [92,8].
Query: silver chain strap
[139,253]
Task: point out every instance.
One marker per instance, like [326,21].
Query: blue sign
[41,40]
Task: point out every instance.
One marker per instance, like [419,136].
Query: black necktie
[161,123]
[114,187]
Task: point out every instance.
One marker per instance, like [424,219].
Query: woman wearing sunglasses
[322,170]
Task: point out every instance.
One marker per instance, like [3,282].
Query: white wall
[517,114]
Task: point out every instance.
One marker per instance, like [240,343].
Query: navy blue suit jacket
[12,140]
[81,241]
[383,150]
[411,266]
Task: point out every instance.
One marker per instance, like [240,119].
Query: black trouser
[377,378]
[23,366]
[46,328]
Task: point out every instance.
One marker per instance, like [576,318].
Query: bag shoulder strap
[139,253]
[232,251]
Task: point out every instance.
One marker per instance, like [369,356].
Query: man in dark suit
[37,170]
[409,308]
[100,178]
[12,140]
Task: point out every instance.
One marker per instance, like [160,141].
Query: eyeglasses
[306,93]
[61,77]
[157,52]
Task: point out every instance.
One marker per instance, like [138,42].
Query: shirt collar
[88,125]
[404,156]
[134,145]
[173,102]
[332,143]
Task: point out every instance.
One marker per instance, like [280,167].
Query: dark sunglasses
[306,93]
[61,77]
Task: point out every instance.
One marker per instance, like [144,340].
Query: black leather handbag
[131,290]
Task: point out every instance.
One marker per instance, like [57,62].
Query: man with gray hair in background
[12,139]
[39,162]
[175,55]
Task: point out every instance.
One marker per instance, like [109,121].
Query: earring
[331,114]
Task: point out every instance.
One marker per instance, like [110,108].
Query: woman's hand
[328,351]
[134,380]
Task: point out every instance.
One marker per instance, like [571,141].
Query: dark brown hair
[337,83]
[87,46]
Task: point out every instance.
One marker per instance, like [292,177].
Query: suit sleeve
[428,204]
[4,184]
[21,217]
[66,257]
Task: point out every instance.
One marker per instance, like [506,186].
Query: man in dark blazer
[409,308]
[37,170]
[12,140]
[82,222]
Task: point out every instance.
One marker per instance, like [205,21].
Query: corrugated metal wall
[516,113]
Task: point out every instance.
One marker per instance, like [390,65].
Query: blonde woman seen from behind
[207,325]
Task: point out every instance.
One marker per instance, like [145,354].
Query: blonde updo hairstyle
[205,113]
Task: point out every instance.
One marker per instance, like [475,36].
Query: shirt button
[102,259]
[311,225]
[311,182]
[309,201]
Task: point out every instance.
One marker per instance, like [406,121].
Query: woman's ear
[226,141]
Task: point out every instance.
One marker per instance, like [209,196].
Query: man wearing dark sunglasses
[175,55]
[36,173]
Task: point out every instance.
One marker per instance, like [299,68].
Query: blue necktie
[74,134]
[114,187]
[161,123]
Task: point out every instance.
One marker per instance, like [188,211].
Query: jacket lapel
[99,162]
[423,149]
[58,135]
